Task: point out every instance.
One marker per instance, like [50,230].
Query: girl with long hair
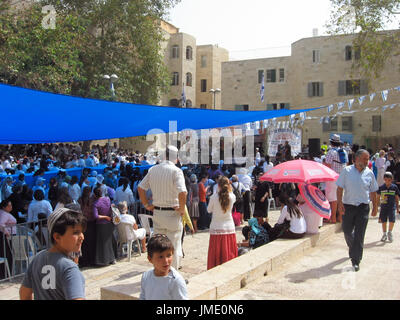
[292,213]
[222,245]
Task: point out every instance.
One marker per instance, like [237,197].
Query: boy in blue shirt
[163,282]
[389,200]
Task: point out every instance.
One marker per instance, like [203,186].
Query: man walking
[167,184]
[360,187]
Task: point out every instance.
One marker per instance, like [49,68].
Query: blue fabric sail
[31,116]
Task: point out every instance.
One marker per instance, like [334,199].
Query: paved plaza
[324,272]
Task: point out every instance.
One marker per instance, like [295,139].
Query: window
[272,106]
[175,52]
[203,61]
[376,123]
[281,75]
[203,106]
[271,75]
[175,79]
[189,79]
[348,53]
[315,56]
[174,103]
[353,87]
[203,85]
[284,106]
[315,89]
[331,126]
[242,107]
[347,123]
[189,104]
[189,53]
[260,75]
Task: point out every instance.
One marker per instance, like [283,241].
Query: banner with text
[279,136]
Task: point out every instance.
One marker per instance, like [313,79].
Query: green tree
[368,19]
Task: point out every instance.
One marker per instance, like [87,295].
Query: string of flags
[341,110]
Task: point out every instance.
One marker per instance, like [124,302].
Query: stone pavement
[325,272]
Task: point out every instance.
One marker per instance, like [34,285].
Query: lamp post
[113,78]
[214,92]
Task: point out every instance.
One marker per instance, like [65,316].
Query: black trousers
[246,205]
[354,223]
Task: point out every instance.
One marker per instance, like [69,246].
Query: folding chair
[271,200]
[23,249]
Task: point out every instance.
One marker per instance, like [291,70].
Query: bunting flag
[372,96]
[397,88]
[340,105]
[303,116]
[321,120]
[350,102]
[183,96]
[385,95]
[392,105]
[327,120]
[278,125]
[291,117]
[367,109]
[374,109]
[330,108]
[361,100]
[384,108]
[262,90]
[339,113]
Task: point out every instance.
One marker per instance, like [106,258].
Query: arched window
[174,103]
[189,79]
[189,104]
[189,53]
[175,52]
[175,79]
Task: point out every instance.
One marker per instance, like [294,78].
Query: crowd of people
[218,198]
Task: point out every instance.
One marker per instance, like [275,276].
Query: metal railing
[20,243]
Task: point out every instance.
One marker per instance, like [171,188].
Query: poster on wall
[279,136]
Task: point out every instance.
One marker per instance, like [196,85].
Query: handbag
[236,218]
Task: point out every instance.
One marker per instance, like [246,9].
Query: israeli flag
[372,96]
[340,105]
[262,90]
[330,108]
[361,100]
[385,94]
[183,97]
[350,102]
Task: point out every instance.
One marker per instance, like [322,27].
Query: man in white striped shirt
[167,184]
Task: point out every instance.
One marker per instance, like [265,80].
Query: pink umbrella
[316,200]
[300,171]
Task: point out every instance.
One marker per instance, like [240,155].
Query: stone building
[318,73]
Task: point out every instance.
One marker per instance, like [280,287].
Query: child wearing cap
[52,275]
[389,201]
[162,282]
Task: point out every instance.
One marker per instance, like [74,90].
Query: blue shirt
[357,185]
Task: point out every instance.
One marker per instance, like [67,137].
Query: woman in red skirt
[222,246]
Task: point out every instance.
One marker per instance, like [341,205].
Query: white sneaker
[384,238]
[390,237]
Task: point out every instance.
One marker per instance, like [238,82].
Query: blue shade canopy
[31,116]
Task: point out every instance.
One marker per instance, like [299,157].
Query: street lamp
[113,78]
[214,92]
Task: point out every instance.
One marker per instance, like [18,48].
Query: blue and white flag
[385,107]
[183,97]
[330,108]
[367,109]
[397,88]
[321,120]
[372,96]
[262,89]
[361,100]
[327,120]
[350,102]
[393,105]
[385,94]
[340,105]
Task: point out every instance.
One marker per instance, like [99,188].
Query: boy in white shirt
[163,282]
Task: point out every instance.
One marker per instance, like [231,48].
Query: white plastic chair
[127,236]
[145,223]
[5,261]
[23,249]
[271,200]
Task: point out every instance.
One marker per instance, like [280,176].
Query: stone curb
[234,274]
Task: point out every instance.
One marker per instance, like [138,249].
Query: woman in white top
[291,212]
[38,205]
[380,164]
[222,246]
[124,192]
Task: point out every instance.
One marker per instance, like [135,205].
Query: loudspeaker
[314,147]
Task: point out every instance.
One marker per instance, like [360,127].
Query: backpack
[116,215]
[342,156]
[237,193]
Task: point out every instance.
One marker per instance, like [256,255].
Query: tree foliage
[368,19]
[91,38]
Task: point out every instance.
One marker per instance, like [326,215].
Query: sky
[251,29]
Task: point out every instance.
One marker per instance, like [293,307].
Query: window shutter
[273,75]
[321,89]
[363,87]
[342,88]
[310,89]
[376,123]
